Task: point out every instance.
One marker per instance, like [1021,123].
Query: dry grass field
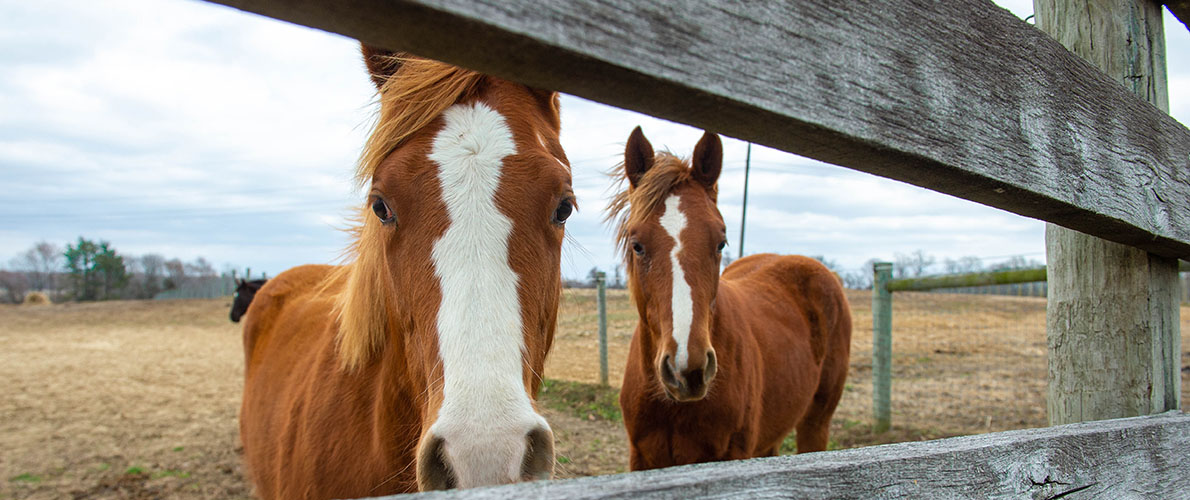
[138,399]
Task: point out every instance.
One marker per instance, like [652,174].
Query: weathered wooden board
[958,96]
[1112,329]
[1142,457]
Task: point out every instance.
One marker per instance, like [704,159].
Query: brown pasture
[138,399]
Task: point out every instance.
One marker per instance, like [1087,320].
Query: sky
[193,130]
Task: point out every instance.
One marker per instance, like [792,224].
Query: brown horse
[720,368]
[417,364]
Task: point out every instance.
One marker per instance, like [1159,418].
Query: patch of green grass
[25,478]
[789,445]
[179,448]
[170,473]
[581,400]
[135,470]
[563,459]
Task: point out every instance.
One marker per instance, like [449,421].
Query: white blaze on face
[485,412]
[674,221]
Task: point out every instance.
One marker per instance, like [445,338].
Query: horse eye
[637,248]
[380,208]
[563,212]
[722,245]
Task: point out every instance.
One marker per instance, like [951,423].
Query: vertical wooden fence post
[1112,317]
[601,285]
[881,345]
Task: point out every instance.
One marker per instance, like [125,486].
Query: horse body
[768,341]
[415,365]
[769,314]
[292,372]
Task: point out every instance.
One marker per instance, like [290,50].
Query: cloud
[190,129]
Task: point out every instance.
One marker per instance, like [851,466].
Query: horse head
[673,236]
[457,261]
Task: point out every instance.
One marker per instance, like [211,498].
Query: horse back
[815,293]
[283,299]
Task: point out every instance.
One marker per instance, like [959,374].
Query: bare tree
[912,265]
[147,273]
[175,274]
[860,279]
[40,265]
[1016,262]
[963,265]
[153,267]
[200,268]
[13,286]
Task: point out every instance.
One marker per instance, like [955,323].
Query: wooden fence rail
[1141,457]
[953,96]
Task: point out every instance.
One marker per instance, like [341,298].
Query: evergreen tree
[112,273]
[97,272]
[80,263]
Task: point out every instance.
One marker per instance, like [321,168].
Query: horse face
[245,291]
[674,255]
[473,208]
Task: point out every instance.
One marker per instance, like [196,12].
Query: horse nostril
[667,371]
[433,473]
[538,463]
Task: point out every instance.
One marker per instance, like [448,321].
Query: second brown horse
[720,368]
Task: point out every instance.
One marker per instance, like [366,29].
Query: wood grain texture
[1142,457]
[957,96]
[1112,325]
[1112,330]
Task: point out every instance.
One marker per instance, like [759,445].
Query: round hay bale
[36,299]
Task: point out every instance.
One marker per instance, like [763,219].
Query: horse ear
[381,63]
[638,156]
[549,101]
[708,159]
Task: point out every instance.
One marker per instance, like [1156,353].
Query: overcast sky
[190,129]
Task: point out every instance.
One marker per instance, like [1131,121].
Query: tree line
[87,270]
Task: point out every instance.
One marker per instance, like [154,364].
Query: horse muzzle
[689,383]
[480,458]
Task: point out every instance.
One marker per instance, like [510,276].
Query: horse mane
[410,99]
[630,206]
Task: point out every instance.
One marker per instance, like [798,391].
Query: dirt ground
[139,399]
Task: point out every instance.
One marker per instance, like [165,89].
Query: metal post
[881,345]
[744,213]
[601,285]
